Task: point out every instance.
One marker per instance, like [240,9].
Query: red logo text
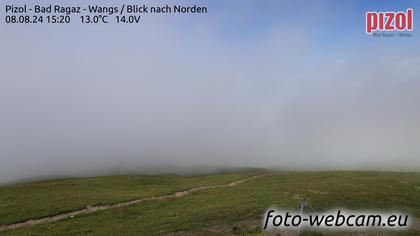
[389,21]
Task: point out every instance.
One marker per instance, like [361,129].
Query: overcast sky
[280,84]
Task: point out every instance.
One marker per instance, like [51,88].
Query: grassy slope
[24,201]
[208,211]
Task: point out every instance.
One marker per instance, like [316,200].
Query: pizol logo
[389,21]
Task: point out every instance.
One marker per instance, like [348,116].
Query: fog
[191,94]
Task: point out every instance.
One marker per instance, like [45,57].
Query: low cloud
[161,98]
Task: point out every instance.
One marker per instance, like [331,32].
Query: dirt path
[88,210]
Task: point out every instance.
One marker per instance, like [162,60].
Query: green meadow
[235,210]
